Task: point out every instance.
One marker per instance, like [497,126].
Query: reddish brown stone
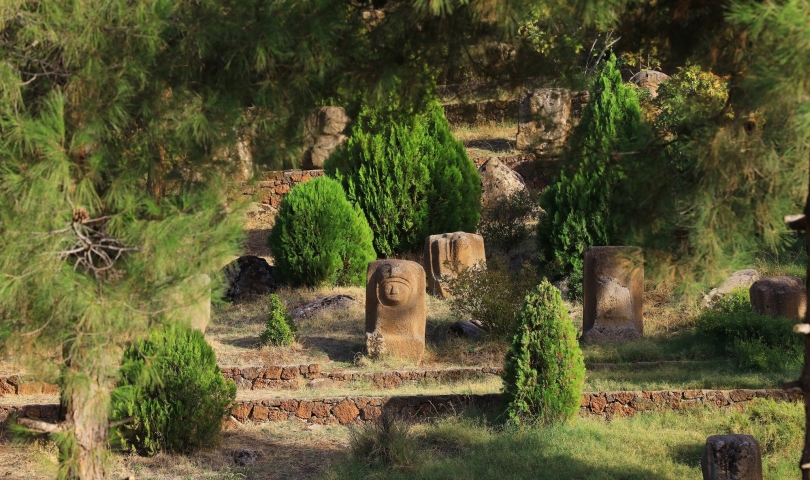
[345,412]
[306,177]
[276,416]
[259,413]
[624,397]
[314,368]
[716,398]
[7,389]
[50,389]
[361,402]
[689,394]
[585,400]
[241,411]
[616,409]
[282,189]
[320,410]
[370,413]
[29,388]
[289,405]
[288,373]
[392,381]
[304,410]
[598,404]
[741,395]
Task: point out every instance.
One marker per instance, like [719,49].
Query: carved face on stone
[394,289]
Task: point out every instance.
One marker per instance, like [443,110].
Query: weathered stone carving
[731,457]
[738,279]
[779,297]
[324,133]
[447,254]
[498,181]
[612,291]
[395,309]
[544,120]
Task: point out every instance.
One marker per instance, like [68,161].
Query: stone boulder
[738,279]
[649,79]
[612,294]
[544,120]
[731,457]
[245,457]
[327,303]
[324,134]
[498,181]
[395,309]
[447,254]
[250,275]
[466,330]
[779,297]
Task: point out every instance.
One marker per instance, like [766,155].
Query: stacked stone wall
[273,186]
[481,113]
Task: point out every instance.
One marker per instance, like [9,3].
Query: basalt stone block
[447,254]
[731,457]
[779,297]
[612,290]
[395,309]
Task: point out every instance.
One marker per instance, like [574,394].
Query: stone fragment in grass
[245,457]
[738,279]
[731,457]
[332,302]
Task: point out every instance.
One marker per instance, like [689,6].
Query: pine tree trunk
[88,408]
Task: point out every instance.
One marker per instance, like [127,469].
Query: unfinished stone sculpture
[738,279]
[544,120]
[324,134]
[447,254]
[395,309]
[612,291]
[779,297]
[731,457]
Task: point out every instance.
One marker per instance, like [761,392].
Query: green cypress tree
[583,204]
[544,372]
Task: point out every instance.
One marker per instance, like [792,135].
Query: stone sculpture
[779,297]
[544,120]
[324,134]
[395,309]
[731,457]
[498,181]
[738,279]
[447,254]
[612,291]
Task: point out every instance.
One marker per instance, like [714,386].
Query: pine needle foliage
[583,204]
[280,328]
[319,238]
[410,177]
[180,410]
[545,371]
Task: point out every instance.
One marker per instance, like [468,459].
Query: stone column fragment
[447,254]
[395,309]
[779,297]
[731,457]
[612,291]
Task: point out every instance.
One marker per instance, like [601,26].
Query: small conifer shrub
[280,328]
[171,385]
[545,371]
[319,238]
[410,177]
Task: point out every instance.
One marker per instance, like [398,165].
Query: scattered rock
[328,303]
[738,279]
[466,330]
[498,180]
[779,297]
[731,457]
[649,79]
[245,457]
[250,275]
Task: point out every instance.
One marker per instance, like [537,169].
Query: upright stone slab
[779,297]
[544,120]
[731,457]
[395,309]
[612,291]
[449,253]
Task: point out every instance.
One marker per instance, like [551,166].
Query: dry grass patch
[485,131]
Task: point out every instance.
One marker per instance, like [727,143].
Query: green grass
[666,445]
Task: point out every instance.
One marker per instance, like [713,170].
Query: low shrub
[171,385]
[385,442]
[545,371]
[758,342]
[504,221]
[492,294]
[280,328]
[319,238]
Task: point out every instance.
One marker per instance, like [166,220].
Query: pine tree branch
[123,421]
[43,426]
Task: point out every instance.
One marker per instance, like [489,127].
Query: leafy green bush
[172,385]
[410,177]
[491,295]
[504,221]
[320,238]
[758,342]
[583,204]
[545,371]
[386,442]
[280,328]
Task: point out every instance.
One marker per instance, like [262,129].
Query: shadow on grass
[337,349]
[244,342]
[491,144]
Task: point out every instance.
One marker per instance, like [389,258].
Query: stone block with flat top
[447,254]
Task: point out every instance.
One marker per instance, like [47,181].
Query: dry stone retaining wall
[15,385]
[272,186]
